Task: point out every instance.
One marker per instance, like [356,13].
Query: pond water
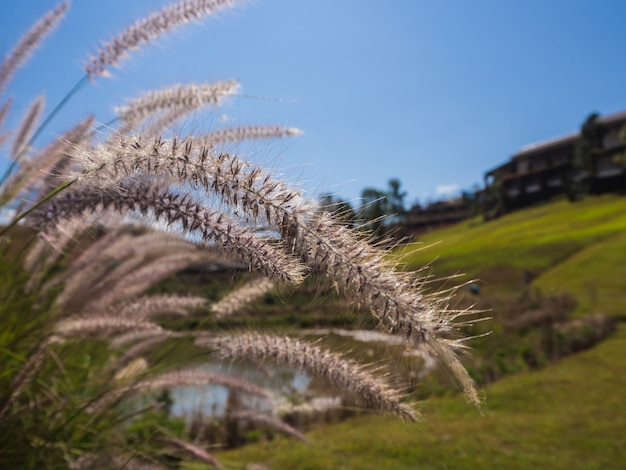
[211,400]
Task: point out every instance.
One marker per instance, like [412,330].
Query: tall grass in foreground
[81,339]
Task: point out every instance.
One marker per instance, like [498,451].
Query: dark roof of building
[611,118]
[568,139]
[546,145]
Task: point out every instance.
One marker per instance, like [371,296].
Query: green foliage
[50,391]
[47,421]
[583,171]
[154,424]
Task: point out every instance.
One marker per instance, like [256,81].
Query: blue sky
[434,93]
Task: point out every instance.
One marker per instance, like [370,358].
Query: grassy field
[543,241]
[595,275]
[571,414]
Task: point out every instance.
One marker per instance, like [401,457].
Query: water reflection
[211,400]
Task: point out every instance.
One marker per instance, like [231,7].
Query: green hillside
[575,248]
[566,415]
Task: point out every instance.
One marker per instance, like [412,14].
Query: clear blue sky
[431,92]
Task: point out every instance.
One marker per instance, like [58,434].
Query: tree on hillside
[395,199]
[583,166]
[381,208]
[471,198]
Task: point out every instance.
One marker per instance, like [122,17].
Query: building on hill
[589,161]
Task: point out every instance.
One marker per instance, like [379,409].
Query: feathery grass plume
[29,370]
[181,378]
[29,42]
[34,257]
[394,298]
[138,280]
[4,137]
[126,461]
[97,261]
[139,347]
[100,248]
[48,249]
[155,305]
[56,174]
[196,451]
[49,161]
[41,173]
[327,246]
[149,29]
[120,242]
[27,125]
[253,190]
[101,327]
[122,340]
[161,123]
[4,111]
[126,266]
[242,296]
[197,376]
[140,259]
[178,99]
[132,370]
[10,188]
[271,421]
[152,242]
[241,242]
[347,375]
[91,264]
[237,134]
[194,161]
